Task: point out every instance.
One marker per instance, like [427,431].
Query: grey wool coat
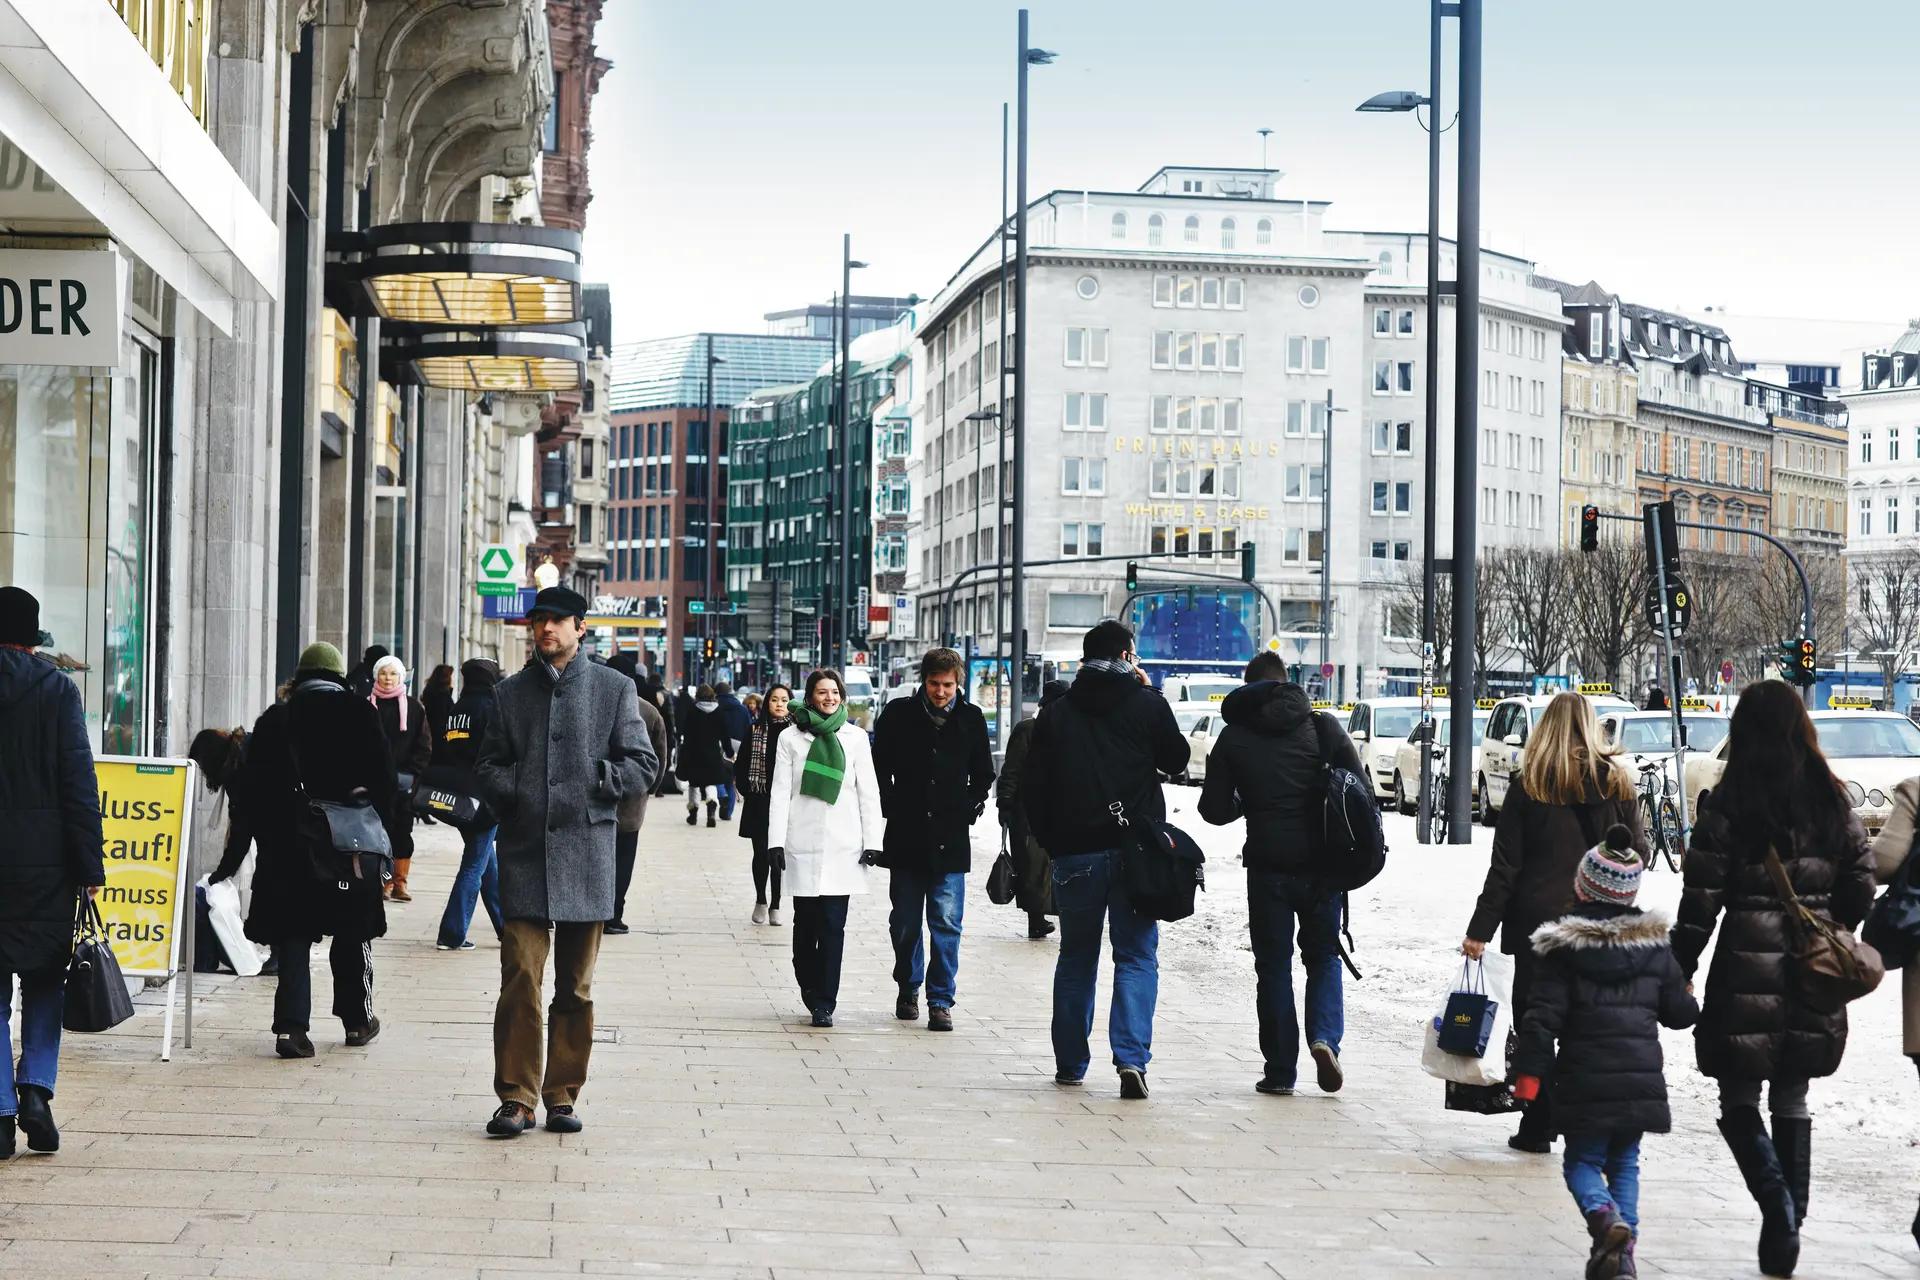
[560,753]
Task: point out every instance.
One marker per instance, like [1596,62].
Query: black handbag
[430,801]
[345,840]
[97,998]
[1000,879]
[1893,926]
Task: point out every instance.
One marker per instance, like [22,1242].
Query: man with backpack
[1101,748]
[1271,765]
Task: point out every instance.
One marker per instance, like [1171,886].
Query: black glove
[871,858]
[979,809]
[218,876]
[778,857]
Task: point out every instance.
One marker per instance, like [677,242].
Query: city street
[726,1138]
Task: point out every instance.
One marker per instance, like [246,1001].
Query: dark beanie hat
[19,617]
[480,673]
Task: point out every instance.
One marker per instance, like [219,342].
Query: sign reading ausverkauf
[60,307]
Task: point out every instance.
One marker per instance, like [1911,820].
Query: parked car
[1870,751]
[1198,688]
[1506,741]
[1379,727]
[860,703]
[1202,724]
[1648,735]
[1406,761]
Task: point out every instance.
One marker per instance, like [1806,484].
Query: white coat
[824,841]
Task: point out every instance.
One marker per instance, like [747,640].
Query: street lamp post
[1466,433]
[844,603]
[1017,622]
[710,547]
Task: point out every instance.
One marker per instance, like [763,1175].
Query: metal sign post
[1667,623]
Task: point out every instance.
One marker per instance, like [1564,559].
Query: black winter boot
[36,1118]
[1753,1151]
[1611,1236]
[7,1147]
[1793,1139]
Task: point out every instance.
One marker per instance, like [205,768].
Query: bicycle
[1661,816]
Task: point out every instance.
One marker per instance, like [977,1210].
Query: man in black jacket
[1106,743]
[936,769]
[1266,767]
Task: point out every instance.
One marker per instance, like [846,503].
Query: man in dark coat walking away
[738,722]
[1266,767]
[322,743]
[50,809]
[1032,869]
[633,809]
[706,755]
[936,771]
[1109,741]
[566,745]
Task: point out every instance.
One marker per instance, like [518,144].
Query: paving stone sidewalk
[726,1138]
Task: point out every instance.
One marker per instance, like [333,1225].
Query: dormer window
[1192,186]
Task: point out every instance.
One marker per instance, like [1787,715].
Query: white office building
[1206,360]
[1883,450]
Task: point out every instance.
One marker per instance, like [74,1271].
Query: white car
[1406,761]
[1202,723]
[1379,728]
[1870,751]
[1506,741]
[1199,688]
[1643,736]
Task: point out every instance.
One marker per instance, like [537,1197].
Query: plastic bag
[223,908]
[1490,1070]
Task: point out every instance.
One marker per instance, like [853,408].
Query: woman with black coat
[456,750]
[1779,794]
[51,857]
[438,699]
[706,754]
[1032,868]
[322,743]
[1569,791]
[753,775]
[410,742]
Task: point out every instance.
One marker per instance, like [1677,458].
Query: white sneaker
[759,913]
[776,916]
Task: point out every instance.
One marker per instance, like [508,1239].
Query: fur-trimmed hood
[1587,929]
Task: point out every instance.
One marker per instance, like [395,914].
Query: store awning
[543,358]
[458,274]
[85,101]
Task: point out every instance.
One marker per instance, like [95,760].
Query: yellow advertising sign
[146,811]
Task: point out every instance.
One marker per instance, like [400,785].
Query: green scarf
[826,759]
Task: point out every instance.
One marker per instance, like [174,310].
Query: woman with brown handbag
[1756,1026]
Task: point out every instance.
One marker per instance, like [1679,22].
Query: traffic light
[1804,666]
[1133,577]
[1589,528]
[1246,562]
[709,649]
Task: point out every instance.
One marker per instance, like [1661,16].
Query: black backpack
[1353,847]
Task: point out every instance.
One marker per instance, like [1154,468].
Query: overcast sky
[1750,154]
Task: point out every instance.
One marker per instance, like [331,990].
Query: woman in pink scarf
[411,742]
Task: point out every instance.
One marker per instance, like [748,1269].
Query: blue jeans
[42,1000]
[729,796]
[1274,900]
[1603,1169]
[478,878]
[1086,890]
[941,897]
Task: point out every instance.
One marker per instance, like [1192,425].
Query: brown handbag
[1830,967]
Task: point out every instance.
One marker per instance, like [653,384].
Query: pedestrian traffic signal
[1246,562]
[1589,528]
[1133,577]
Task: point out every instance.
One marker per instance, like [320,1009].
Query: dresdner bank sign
[60,307]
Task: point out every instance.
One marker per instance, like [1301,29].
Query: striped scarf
[826,766]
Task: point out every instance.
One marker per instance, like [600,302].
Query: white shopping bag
[1491,1069]
[223,908]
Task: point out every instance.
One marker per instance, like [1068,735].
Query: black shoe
[562,1120]
[1038,927]
[364,1036]
[1066,1081]
[1759,1162]
[907,1007]
[939,1018]
[1269,1085]
[6,1138]
[615,927]
[293,1045]
[693,817]
[1611,1236]
[1327,1063]
[1133,1083]
[1792,1139]
[1524,1141]
[36,1118]
[510,1121]
[823,1017]
[712,809]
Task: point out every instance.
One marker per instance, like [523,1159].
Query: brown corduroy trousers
[518,1073]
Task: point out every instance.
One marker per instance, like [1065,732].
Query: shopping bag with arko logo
[1466,1024]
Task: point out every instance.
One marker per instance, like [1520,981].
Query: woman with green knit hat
[824,827]
[319,743]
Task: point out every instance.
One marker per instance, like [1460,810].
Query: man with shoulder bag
[1107,743]
[1268,767]
[564,748]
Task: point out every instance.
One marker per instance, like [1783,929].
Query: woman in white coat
[824,828]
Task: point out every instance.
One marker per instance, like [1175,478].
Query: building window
[1119,226]
[1210,351]
[1155,225]
[1160,414]
[1226,233]
[1070,539]
[1296,417]
[1187,292]
[1183,415]
[1210,292]
[1405,323]
[1163,291]
[1191,230]
[1318,353]
[1382,377]
[1163,349]
[1088,287]
[1230,417]
[1893,516]
[1893,447]
[1263,231]
[1309,295]
[1866,517]
[1386,263]
[1379,497]
[1231,359]
[1402,497]
[1074,610]
[1382,322]
[1235,293]
[1403,378]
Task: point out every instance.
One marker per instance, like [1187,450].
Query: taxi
[1379,727]
[1406,761]
[1506,740]
[1201,722]
[1870,751]
[1647,736]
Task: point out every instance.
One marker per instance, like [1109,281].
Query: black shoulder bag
[1161,866]
[344,840]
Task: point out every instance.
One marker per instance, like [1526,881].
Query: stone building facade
[1599,427]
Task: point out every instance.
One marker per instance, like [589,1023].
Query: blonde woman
[1570,790]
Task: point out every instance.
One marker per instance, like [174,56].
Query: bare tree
[1724,625]
[1489,612]
[1405,597]
[1609,605]
[1537,591]
[1885,620]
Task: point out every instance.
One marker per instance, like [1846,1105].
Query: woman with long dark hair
[438,699]
[1777,796]
[753,775]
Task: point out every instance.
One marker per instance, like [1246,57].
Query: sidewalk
[726,1138]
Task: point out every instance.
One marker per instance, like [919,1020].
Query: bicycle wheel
[1671,846]
[1656,833]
